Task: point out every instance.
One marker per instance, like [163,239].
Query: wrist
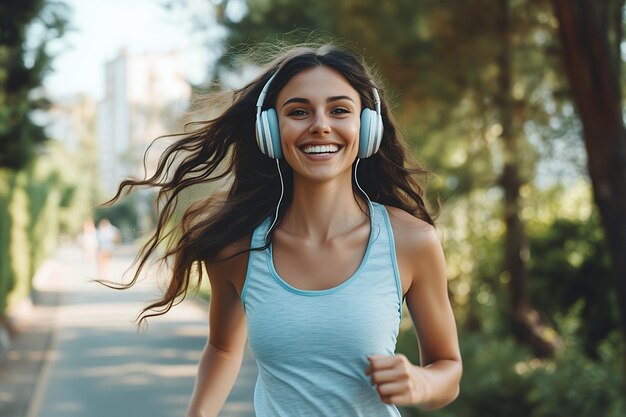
[437,384]
[420,387]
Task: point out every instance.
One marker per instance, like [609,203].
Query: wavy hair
[225,146]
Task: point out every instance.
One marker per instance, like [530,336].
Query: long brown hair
[226,146]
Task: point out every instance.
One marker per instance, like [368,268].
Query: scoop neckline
[326,291]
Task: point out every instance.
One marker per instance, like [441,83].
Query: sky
[102,28]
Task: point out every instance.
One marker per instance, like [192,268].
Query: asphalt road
[99,364]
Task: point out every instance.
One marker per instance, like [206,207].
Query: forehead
[318,83]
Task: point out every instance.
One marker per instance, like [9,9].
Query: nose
[320,125]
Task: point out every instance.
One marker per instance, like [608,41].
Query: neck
[322,210]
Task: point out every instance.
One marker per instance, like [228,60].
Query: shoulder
[231,263]
[418,247]
[410,231]
[233,250]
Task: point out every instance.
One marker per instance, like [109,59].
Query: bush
[32,205]
[503,379]
[575,385]
[16,249]
[491,384]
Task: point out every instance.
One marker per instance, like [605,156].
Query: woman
[108,237]
[308,266]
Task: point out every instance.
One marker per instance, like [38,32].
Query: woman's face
[319,119]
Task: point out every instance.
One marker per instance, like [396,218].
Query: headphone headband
[259,102]
[376,100]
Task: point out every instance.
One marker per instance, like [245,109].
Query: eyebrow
[306,101]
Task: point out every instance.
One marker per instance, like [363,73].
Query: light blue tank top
[311,347]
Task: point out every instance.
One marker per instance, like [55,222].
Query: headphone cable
[356,180]
[282,192]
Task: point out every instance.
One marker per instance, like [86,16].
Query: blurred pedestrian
[88,240]
[311,252]
[108,237]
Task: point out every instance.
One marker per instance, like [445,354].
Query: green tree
[26,28]
[591,39]
[31,194]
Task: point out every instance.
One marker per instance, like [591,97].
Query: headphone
[268,132]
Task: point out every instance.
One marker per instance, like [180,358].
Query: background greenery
[481,93]
[40,191]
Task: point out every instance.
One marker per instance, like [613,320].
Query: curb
[42,281]
[22,330]
[41,383]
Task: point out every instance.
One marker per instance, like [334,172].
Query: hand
[397,380]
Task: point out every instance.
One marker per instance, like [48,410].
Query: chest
[318,267]
[351,322]
[356,312]
[309,265]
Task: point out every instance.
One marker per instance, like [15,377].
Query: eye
[340,110]
[297,113]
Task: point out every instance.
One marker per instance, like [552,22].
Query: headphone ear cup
[274,134]
[268,134]
[370,133]
[258,130]
[364,132]
[378,132]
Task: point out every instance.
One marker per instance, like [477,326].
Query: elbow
[456,389]
[442,402]
[455,394]
[450,391]
[455,386]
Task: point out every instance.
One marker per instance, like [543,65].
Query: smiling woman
[309,254]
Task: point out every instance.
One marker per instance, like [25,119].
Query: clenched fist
[397,380]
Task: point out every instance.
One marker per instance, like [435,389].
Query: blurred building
[72,120]
[145,96]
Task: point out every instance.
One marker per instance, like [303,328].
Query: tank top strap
[385,246]
[258,235]
[256,257]
[376,211]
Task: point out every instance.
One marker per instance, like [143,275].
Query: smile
[320,149]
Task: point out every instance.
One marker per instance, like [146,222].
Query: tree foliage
[35,194]
[35,204]
[26,28]
[591,38]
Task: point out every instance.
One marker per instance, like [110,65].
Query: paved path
[100,365]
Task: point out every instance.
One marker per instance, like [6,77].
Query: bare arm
[223,353]
[427,300]
[435,383]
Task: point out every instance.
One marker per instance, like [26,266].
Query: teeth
[321,149]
